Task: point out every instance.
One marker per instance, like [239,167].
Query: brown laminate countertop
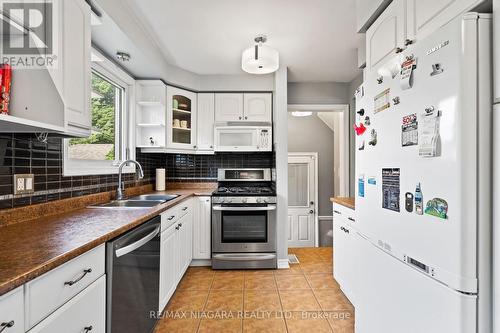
[344,201]
[29,249]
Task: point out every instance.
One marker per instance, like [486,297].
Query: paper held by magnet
[429,133]
[406,73]
[382,101]
[409,131]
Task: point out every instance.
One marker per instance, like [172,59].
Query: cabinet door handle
[87,329]
[177,227]
[337,212]
[239,118]
[408,42]
[211,147]
[246,118]
[85,272]
[351,219]
[180,225]
[398,50]
[4,326]
[195,147]
[184,209]
[171,218]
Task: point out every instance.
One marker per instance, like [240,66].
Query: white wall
[280,114]
[318,93]
[311,134]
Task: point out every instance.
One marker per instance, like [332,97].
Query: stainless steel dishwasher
[133,279]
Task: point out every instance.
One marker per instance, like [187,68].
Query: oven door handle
[243,257]
[243,209]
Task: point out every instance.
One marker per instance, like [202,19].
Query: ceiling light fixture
[302,113]
[260,59]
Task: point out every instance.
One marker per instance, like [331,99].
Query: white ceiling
[316,39]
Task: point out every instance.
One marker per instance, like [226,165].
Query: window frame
[125,134]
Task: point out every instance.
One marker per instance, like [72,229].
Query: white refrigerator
[423,186]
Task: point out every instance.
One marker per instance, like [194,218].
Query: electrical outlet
[23,183]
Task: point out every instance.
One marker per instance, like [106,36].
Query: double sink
[140,201]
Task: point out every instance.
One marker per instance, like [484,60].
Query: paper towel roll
[160,179]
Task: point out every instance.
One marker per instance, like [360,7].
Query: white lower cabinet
[12,311]
[186,244]
[169,261]
[51,290]
[201,228]
[345,243]
[85,313]
[176,248]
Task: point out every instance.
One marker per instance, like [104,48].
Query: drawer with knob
[12,311]
[50,291]
[85,313]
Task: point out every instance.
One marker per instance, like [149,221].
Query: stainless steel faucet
[121,185]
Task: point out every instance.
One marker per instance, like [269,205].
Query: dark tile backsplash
[203,168]
[23,153]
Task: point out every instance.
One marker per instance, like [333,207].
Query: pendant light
[260,59]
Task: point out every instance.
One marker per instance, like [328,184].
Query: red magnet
[359,129]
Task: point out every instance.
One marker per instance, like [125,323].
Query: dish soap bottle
[419,201]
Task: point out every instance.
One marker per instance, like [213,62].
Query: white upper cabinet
[386,36]
[56,99]
[206,118]
[426,16]
[405,22]
[75,69]
[257,107]
[228,107]
[248,107]
[181,119]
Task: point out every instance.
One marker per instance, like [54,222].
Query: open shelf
[181,111]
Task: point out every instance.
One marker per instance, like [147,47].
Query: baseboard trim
[283,264]
[200,262]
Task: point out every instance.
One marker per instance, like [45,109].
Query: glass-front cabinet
[181,119]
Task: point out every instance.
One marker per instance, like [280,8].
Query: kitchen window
[111,139]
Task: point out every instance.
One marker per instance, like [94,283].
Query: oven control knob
[244,200]
[266,200]
[258,200]
[228,200]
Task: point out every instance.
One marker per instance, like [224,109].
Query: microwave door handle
[244,209]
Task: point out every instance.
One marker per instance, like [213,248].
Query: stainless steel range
[244,220]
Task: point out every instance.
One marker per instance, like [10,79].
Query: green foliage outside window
[103,115]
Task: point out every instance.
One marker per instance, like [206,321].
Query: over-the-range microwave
[243,138]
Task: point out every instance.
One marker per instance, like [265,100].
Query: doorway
[302,228]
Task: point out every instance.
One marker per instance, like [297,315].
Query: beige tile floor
[300,299]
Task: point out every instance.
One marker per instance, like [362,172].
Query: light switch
[23,184]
